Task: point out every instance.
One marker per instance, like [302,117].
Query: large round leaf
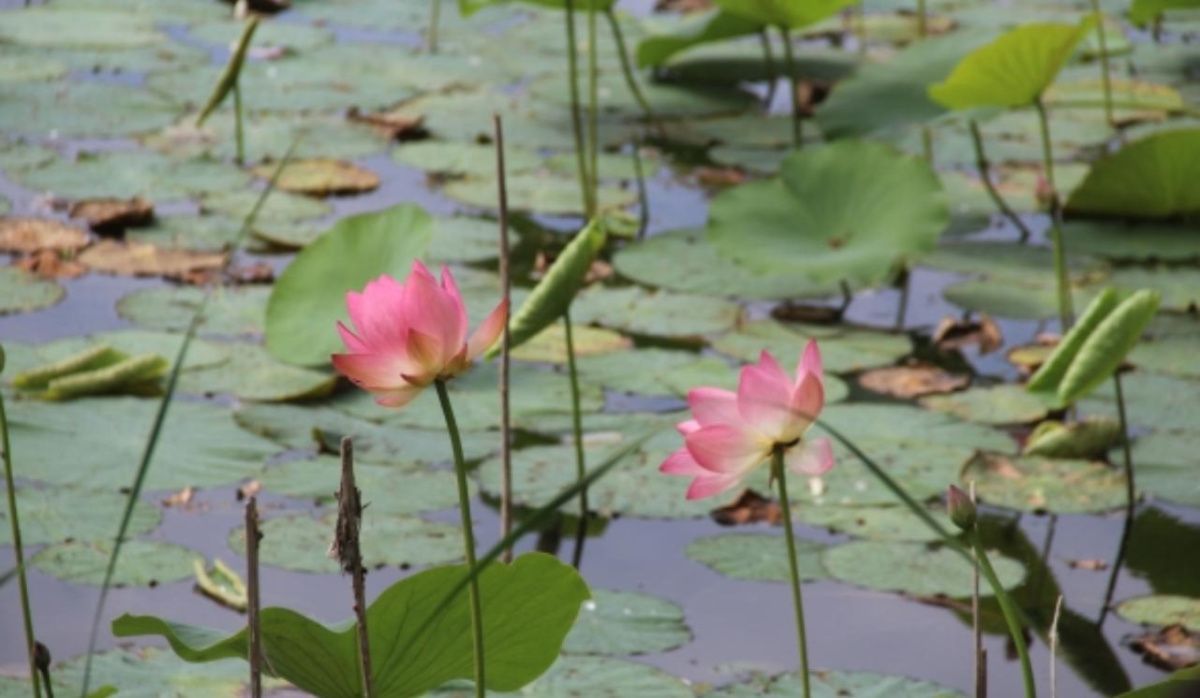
[783,13]
[1162,610]
[913,568]
[21,291]
[625,622]
[1154,177]
[58,514]
[310,296]
[757,556]
[142,562]
[850,211]
[842,684]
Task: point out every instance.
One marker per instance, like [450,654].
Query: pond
[878,238]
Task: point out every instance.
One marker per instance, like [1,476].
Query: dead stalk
[253,536]
[506,286]
[348,553]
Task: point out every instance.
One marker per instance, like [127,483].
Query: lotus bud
[960,507]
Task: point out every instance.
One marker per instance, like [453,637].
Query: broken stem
[780,475]
[505,346]
[254,627]
[348,552]
[981,163]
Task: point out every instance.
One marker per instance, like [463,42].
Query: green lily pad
[1153,401]
[653,371]
[843,684]
[142,562]
[129,173]
[292,36]
[48,26]
[22,292]
[232,312]
[294,426]
[550,345]
[201,353]
[1149,178]
[757,556]
[29,66]
[598,677]
[662,314]
[874,523]
[23,155]
[913,569]
[782,14]
[1033,302]
[849,211]
[1162,610]
[1012,70]
[997,404]
[251,373]
[461,159]
[59,514]
[464,239]
[308,299]
[624,623]
[268,136]
[201,233]
[281,211]
[666,99]
[300,543]
[692,260]
[1179,287]
[98,442]
[146,672]
[1042,484]
[385,489]
[843,349]
[1139,243]
[540,192]
[68,109]
[1165,465]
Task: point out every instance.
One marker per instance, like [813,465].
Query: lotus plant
[408,335]
[731,434]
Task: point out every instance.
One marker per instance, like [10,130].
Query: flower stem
[506,515]
[780,474]
[464,506]
[238,134]
[1065,311]
[593,110]
[981,164]
[1105,75]
[1011,617]
[14,520]
[577,438]
[789,62]
[431,37]
[626,67]
[772,71]
[1130,501]
[576,116]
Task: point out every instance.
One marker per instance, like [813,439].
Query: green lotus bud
[960,507]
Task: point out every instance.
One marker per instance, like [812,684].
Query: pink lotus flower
[732,433]
[411,334]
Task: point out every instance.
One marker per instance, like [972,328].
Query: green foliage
[787,14]
[1013,70]
[528,608]
[229,77]
[1144,11]
[309,298]
[1153,177]
[708,27]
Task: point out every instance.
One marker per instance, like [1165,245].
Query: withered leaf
[750,507]
[951,334]
[321,177]
[141,259]
[29,235]
[111,216]
[916,380]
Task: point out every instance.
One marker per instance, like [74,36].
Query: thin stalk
[160,416]
[1105,75]
[859,20]
[14,520]
[577,437]
[435,15]
[626,66]
[593,110]
[1011,616]
[1065,311]
[348,551]
[253,624]
[464,506]
[581,161]
[505,345]
[977,627]
[981,163]
[789,62]
[1130,501]
[927,144]
[779,473]
[238,133]
[1054,647]
[643,194]
[922,21]
[902,305]
[772,70]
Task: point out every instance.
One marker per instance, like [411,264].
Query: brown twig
[253,536]
[505,347]
[348,553]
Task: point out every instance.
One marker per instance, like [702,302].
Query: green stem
[577,438]
[981,164]
[643,193]
[1130,503]
[576,115]
[922,22]
[435,14]
[464,507]
[780,474]
[789,62]
[772,71]
[1065,310]
[238,134]
[626,66]
[593,110]
[14,520]
[1011,617]
[1105,75]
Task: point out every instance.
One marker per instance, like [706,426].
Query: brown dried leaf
[719,176]
[142,259]
[111,216]
[395,124]
[683,6]
[256,273]
[1091,565]
[49,264]
[801,312]
[908,382]
[750,507]
[321,177]
[182,498]
[1172,648]
[956,334]
[29,235]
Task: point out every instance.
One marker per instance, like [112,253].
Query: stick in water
[505,346]
[252,601]
[347,551]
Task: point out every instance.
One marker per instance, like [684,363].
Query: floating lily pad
[59,514]
[1149,178]
[269,136]
[293,36]
[201,353]
[251,373]
[843,684]
[460,159]
[667,100]
[68,109]
[595,677]
[997,404]
[913,569]
[205,233]
[535,192]
[1165,465]
[1041,484]
[1132,242]
[463,239]
[1179,287]
[653,371]
[692,260]
[321,177]
[874,523]
[142,562]
[757,557]
[300,543]
[1155,401]
[843,349]
[850,211]
[129,173]
[305,427]
[1162,610]
[550,345]
[49,26]
[625,622]
[21,292]
[281,211]
[662,314]
[146,672]
[28,66]
[98,442]
[232,311]
[385,489]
